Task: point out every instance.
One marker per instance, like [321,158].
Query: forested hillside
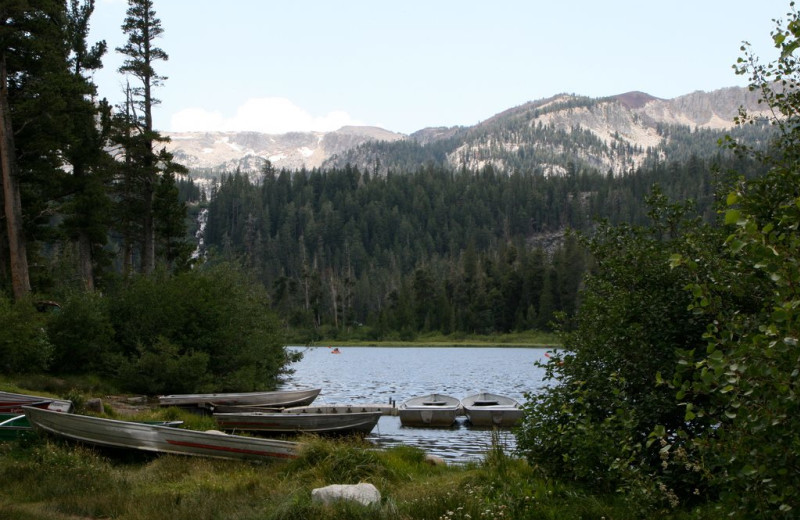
[432,249]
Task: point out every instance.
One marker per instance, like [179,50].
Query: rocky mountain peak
[615,133]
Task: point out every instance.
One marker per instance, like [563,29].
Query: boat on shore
[12,425]
[487,409]
[112,433]
[429,410]
[13,403]
[273,399]
[335,423]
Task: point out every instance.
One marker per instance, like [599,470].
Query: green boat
[12,425]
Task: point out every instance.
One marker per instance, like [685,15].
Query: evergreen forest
[343,251]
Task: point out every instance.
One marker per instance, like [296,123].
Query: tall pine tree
[145,166]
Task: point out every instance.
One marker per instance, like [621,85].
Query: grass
[44,478]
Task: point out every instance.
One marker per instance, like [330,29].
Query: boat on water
[274,399]
[335,423]
[487,409]
[13,403]
[112,433]
[429,410]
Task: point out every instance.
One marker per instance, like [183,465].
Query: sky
[277,66]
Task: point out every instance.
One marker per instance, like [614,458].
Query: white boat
[339,423]
[274,399]
[486,409]
[13,403]
[429,410]
[112,433]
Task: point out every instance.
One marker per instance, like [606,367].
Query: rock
[95,405]
[363,493]
[433,460]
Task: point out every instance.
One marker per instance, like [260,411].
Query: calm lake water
[385,374]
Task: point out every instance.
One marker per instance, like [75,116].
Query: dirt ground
[128,405]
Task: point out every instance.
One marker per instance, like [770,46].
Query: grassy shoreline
[46,478]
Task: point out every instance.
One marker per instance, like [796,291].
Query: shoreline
[527,339]
[437,344]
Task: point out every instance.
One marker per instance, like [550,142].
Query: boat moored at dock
[429,410]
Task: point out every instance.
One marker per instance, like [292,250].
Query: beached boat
[112,433]
[486,409]
[336,423]
[12,425]
[429,410]
[13,403]
[275,399]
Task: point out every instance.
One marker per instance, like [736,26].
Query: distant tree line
[432,249]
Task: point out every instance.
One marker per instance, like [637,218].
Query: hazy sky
[282,65]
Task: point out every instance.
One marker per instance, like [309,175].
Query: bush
[594,423]
[215,320]
[162,368]
[82,336]
[24,347]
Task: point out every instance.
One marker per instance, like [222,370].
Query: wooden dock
[385,409]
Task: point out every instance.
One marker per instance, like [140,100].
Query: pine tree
[86,220]
[34,93]
[145,164]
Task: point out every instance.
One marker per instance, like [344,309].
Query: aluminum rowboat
[275,399]
[487,409]
[429,410]
[353,423]
[112,433]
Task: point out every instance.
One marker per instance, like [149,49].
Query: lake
[393,374]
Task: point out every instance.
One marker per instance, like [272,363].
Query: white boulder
[363,493]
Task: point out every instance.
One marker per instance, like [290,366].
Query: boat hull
[276,399]
[13,403]
[112,433]
[490,410]
[13,425]
[430,410]
[355,423]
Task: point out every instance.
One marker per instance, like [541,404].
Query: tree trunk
[149,245]
[334,297]
[85,260]
[20,280]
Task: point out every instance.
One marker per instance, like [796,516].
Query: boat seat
[485,403]
[434,403]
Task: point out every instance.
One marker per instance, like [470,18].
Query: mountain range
[554,135]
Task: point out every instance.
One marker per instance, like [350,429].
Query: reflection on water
[393,374]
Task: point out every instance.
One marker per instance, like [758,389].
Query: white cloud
[271,115]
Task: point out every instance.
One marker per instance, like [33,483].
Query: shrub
[82,335]
[24,347]
[215,320]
